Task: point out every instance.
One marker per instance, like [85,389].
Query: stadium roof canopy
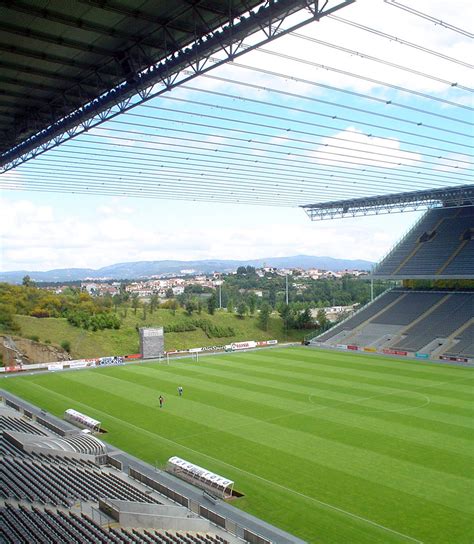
[410,201]
[85,90]
[64,63]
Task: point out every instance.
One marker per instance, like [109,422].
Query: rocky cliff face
[15,350]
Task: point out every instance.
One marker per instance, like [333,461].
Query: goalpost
[164,359]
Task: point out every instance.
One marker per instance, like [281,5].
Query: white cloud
[42,238]
[360,149]
[454,161]
[40,234]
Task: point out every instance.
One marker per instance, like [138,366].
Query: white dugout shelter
[81,420]
[200,477]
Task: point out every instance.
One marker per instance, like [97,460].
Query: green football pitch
[330,446]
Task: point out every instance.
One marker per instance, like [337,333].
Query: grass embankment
[333,447]
[125,340]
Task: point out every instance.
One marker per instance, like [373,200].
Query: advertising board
[454,359]
[389,351]
[241,345]
[206,348]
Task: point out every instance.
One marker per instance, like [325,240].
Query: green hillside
[336,448]
[87,343]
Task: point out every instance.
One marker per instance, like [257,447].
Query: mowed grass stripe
[440,403]
[383,534]
[461,385]
[352,378]
[434,427]
[347,458]
[232,400]
[453,424]
[328,370]
[266,456]
[372,362]
[251,405]
[266,396]
[342,427]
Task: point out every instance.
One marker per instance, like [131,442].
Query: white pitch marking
[330,506]
[426,401]
[326,504]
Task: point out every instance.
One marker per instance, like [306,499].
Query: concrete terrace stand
[174,504]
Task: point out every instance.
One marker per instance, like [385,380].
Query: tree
[135,303]
[7,321]
[304,319]
[198,305]
[116,299]
[169,293]
[241,310]
[106,301]
[174,306]
[272,295]
[264,316]
[241,270]
[322,320]
[145,306]
[27,281]
[285,313]
[252,302]
[211,304]
[153,303]
[66,345]
[230,305]
[189,307]
[170,304]
[124,294]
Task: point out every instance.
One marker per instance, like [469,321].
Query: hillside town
[166,286]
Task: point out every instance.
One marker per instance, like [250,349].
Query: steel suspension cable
[362,55]
[296,110]
[286,129]
[252,140]
[353,108]
[429,18]
[400,40]
[272,165]
[339,118]
[280,155]
[230,175]
[370,80]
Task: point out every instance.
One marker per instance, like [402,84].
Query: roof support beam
[75,22]
[396,203]
[32,70]
[50,38]
[178,68]
[53,59]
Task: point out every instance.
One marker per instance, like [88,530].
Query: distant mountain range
[143,269]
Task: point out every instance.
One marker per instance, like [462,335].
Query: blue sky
[41,231]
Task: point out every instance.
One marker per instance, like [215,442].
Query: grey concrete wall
[164,522]
[158,516]
[152,343]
